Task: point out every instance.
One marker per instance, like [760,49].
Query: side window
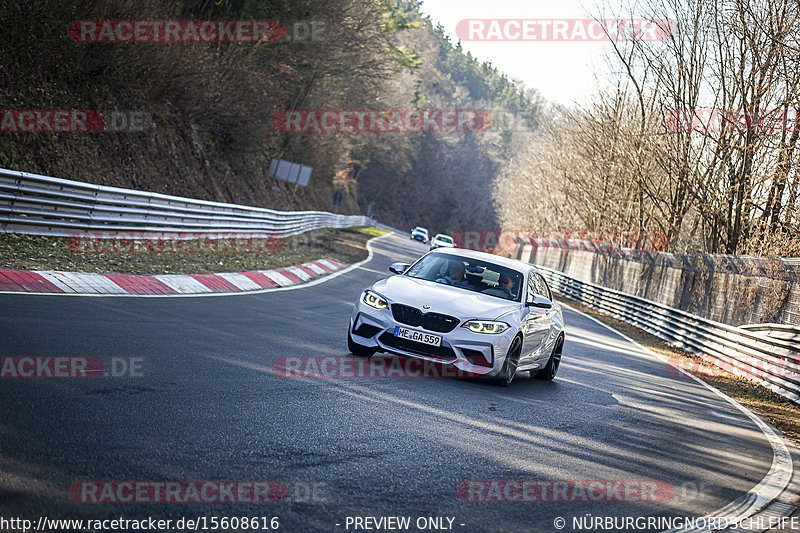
[531,288]
[547,294]
[538,286]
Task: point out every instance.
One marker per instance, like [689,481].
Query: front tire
[548,373]
[358,349]
[509,370]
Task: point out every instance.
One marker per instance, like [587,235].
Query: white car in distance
[442,241]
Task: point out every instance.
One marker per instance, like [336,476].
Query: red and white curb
[55,282]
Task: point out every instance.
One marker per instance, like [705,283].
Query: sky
[562,71]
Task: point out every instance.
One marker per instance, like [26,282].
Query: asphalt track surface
[208,406]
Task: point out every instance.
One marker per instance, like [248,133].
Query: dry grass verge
[34,252]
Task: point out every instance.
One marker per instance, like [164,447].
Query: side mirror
[539,301]
[398,268]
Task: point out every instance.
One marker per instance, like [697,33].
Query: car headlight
[486,326]
[373,300]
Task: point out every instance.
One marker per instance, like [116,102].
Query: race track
[209,406]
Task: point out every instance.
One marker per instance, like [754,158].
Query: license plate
[418,336]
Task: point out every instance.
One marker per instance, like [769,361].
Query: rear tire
[509,370]
[548,373]
[358,349]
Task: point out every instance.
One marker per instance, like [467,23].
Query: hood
[445,299]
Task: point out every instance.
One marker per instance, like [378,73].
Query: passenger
[455,275]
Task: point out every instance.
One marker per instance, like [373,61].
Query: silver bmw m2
[483,314]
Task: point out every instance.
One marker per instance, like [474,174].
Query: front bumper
[460,348]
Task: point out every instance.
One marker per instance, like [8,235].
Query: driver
[506,284]
[455,275]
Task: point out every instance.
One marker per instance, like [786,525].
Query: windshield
[469,274]
[444,238]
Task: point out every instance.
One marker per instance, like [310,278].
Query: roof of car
[442,235]
[496,259]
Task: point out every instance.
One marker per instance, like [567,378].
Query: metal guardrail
[778,331]
[773,362]
[770,327]
[41,205]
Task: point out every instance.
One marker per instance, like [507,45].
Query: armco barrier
[778,331]
[774,362]
[41,205]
